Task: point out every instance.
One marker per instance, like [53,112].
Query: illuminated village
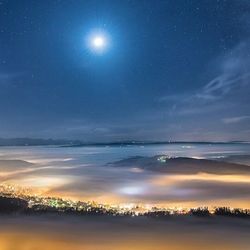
[15,200]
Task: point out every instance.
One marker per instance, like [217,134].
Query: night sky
[169,70]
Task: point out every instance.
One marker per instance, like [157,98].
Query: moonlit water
[84,173]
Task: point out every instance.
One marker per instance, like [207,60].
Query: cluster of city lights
[37,203]
[35,200]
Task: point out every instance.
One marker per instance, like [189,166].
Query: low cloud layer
[146,180]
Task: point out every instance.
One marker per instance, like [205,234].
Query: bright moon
[98,41]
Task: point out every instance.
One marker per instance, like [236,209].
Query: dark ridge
[10,205]
[79,143]
[183,165]
[146,143]
[36,142]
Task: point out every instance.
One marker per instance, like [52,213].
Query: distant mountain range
[35,142]
[79,143]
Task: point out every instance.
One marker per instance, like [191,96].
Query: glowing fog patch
[134,190]
[41,184]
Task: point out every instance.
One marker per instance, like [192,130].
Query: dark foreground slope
[57,206]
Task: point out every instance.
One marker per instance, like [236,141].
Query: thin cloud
[232,81]
[235,119]
[221,85]
[234,73]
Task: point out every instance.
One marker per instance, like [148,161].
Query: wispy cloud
[235,119]
[221,85]
[232,81]
[234,73]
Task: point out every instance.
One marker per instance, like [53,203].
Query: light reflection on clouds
[70,174]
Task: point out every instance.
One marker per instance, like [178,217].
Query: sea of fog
[107,233]
[84,173]
[105,154]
